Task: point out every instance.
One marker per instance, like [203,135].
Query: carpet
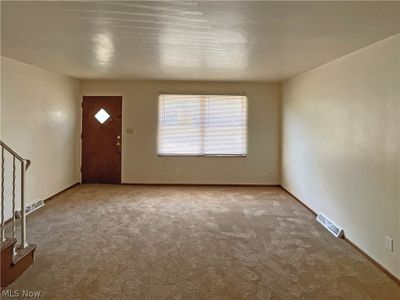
[191,242]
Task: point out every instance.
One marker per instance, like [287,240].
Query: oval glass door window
[102,116]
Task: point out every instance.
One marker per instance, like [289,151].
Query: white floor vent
[328,224]
[30,208]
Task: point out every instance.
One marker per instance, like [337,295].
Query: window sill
[203,155]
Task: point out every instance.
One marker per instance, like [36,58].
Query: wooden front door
[101,139]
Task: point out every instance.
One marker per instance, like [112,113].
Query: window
[212,125]
[102,116]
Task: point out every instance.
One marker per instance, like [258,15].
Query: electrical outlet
[389,243]
[177,171]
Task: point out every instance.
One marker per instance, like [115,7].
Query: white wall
[140,161]
[340,145]
[40,120]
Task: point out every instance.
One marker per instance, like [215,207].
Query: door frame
[81,134]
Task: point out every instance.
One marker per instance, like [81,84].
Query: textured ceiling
[196,40]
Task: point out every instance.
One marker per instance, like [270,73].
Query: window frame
[244,155]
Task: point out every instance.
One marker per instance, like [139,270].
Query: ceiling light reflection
[103,48]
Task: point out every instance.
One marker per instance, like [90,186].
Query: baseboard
[372,260]
[201,184]
[301,202]
[378,265]
[60,192]
[7,221]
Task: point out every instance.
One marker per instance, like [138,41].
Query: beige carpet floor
[155,242]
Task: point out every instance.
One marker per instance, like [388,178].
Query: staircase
[16,256]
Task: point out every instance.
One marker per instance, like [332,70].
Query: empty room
[200,150]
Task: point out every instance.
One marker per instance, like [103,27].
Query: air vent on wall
[328,224]
[30,208]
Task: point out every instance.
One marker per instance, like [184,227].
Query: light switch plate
[129,130]
[389,243]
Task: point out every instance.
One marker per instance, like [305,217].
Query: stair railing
[24,165]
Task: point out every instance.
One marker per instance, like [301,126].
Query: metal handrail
[25,163]
[15,154]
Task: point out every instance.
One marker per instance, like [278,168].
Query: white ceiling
[195,40]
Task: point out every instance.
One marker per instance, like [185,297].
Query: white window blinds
[202,125]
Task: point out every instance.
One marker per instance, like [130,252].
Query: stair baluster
[24,244]
[13,205]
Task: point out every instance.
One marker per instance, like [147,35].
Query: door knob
[118,144]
